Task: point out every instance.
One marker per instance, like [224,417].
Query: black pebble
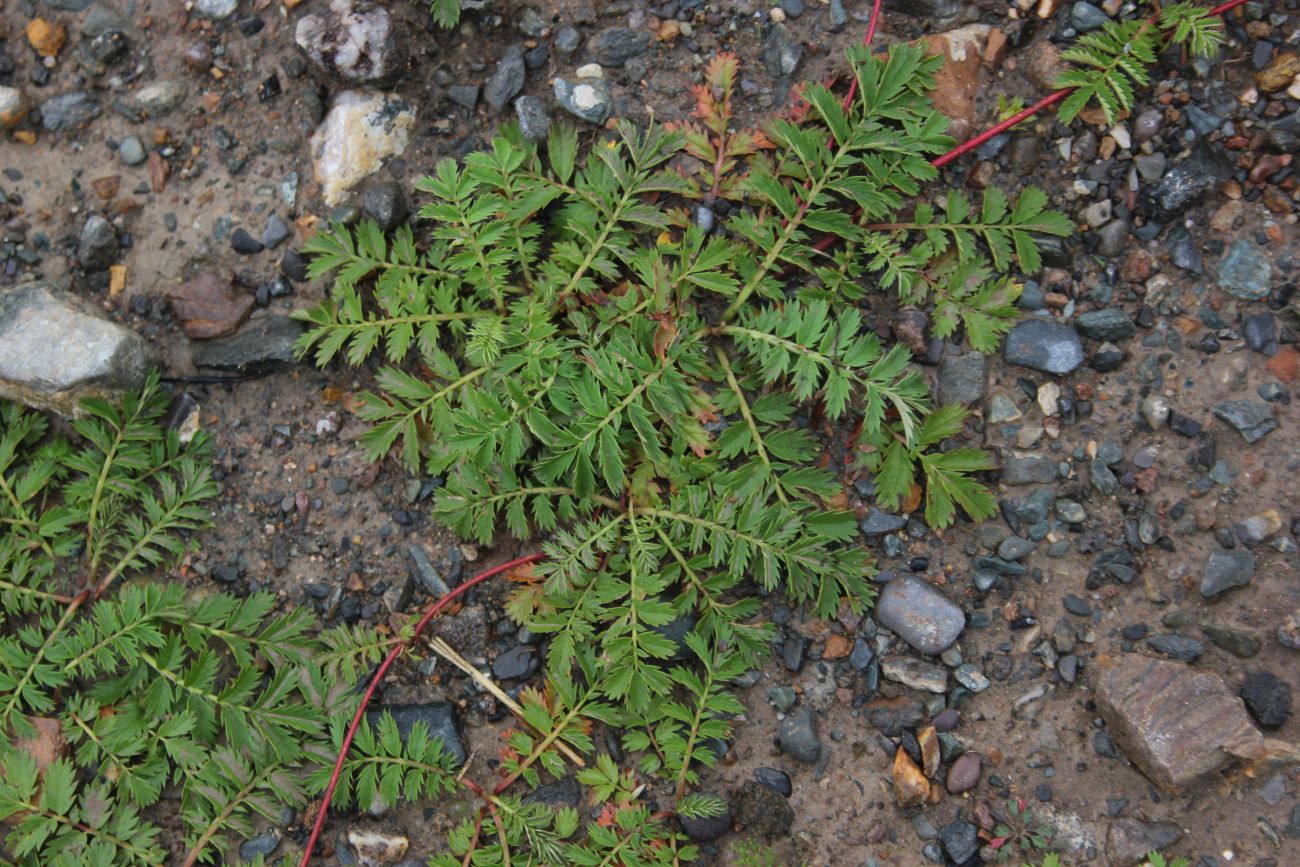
[1268,698]
[775,779]
[245,244]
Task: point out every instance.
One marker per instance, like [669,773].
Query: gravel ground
[1142,411]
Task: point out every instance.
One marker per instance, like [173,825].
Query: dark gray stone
[1268,698]
[1227,570]
[1253,419]
[559,793]
[1111,324]
[263,844]
[1014,548]
[439,718]
[962,378]
[877,523]
[465,95]
[1184,648]
[1040,344]
[1245,271]
[534,118]
[775,779]
[781,52]
[69,110]
[920,614]
[707,828]
[1028,468]
[960,840]
[245,244]
[1238,642]
[797,736]
[98,247]
[508,80]
[260,344]
[615,46]
[385,203]
[518,663]
[275,232]
[1187,183]
[926,9]
[1260,333]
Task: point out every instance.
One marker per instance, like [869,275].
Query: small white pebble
[1120,134]
[777,14]
[590,70]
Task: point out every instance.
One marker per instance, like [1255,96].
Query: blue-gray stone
[439,718]
[797,736]
[960,839]
[508,79]
[962,378]
[861,655]
[1028,469]
[1227,570]
[1051,347]
[920,614]
[69,110]
[970,676]
[1111,323]
[878,523]
[1014,548]
[1085,17]
[615,46]
[1245,271]
[132,151]
[781,52]
[1253,419]
[263,844]
[534,118]
[1184,648]
[587,98]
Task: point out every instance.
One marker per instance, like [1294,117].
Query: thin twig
[447,652]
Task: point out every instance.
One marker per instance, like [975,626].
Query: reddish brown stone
[957,82]
[1176,724]
[1285,365]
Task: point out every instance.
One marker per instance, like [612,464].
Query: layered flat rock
[1176,724]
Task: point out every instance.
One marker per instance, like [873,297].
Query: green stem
[23,517]
[414,319]
[16,692]
[214,827]
[749,422]
[138,855]
[695,731]
[784,238]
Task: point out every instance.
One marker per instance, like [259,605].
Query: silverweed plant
[667,411]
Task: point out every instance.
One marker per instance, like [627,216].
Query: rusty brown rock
[910,785]
[957,82]
[1177,725]
[1279,73]
[928,739]
[209,306]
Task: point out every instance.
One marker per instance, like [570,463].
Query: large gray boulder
[55,350]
